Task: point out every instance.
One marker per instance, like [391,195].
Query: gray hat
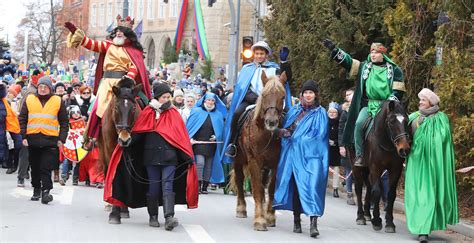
[46,81]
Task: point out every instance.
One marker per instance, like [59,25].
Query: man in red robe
[120,55]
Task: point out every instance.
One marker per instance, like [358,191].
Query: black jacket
[204,134]
[41,140]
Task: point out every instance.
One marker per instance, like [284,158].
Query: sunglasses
[86,93]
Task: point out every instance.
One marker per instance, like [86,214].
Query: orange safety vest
[12,123]
[43,119]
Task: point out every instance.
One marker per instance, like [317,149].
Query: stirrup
[231,151]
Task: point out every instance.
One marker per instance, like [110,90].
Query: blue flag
[139,29]
[110,28]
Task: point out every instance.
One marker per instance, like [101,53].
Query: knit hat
[333,105]
[178,92]
[160,89]
[310,85]
[46,81]
[430,95]
[59,84]
[15,89]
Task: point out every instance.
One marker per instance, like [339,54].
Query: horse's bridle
[127,127]
[280,114]
[396,138]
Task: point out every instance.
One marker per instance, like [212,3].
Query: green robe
[430,183]
[365,72]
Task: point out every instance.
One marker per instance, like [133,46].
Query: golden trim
[397,85]
[354,68]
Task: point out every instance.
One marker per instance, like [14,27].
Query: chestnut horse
[117,122]
[386,148]
[259,151]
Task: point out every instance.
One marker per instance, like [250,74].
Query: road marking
[66,196]
[198,233]
[20,191]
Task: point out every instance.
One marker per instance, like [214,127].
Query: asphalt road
[77,215]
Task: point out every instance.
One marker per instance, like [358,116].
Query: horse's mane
[273,84]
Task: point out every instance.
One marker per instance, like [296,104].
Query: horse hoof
[241,214]
[361,222]
[271,223]
[377,227]
[124,215]
[367,217]
[390,229]
[259,227]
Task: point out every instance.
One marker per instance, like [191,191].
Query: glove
[329,44]
[71,27]
[284,51]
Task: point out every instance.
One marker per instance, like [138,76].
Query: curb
[462,227]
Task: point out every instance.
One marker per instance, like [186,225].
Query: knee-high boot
[168,208]
[313,228]
[152,206]
[297,223]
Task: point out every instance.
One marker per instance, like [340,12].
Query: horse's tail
[232,186]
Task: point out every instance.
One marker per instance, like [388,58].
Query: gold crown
[127,22]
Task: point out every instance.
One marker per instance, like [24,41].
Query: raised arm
[343,59]
[77,38]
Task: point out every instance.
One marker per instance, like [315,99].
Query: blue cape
[197,117]
[240,89]
[304,155]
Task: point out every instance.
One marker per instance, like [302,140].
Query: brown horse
[386,148]
[259,151]
[117,123]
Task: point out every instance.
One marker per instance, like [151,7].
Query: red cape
[137,59]
[171,127]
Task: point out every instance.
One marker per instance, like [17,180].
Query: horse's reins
[136,177]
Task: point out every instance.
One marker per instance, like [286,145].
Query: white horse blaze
[400,118]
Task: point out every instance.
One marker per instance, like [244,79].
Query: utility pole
[234,42]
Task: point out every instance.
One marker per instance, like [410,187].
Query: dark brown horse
[386,148]
[259,151]
[117,123]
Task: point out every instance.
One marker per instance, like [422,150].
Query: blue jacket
[304,155]
[240,89]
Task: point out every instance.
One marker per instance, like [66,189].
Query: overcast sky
[12,11]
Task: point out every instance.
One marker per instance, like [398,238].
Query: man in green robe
[377,79]
[430,183]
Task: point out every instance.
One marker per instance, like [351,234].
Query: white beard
[119,41]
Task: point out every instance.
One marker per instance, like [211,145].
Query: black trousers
[249,99]
[297,208]
[42,162]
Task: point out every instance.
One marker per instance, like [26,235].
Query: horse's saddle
[367,127]
[243,117]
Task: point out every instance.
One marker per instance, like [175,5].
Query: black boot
[199,187]
[297,224]
[168,208]
[124,213]
[335,193]
[423,238]
[359,162]
[152,206]
[313,227]
[46,197]
[36,194]
[114,216]
[205,184]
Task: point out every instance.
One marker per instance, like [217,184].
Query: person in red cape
[120,55]
[158,167]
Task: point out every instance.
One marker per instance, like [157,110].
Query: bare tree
[44,35]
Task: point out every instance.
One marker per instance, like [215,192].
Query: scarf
[424,113]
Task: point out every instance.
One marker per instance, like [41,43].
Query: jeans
[66,166]
[204,167]
[161,179]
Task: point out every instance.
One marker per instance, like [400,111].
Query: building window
[140,9]
[174,8]
[150,10]
[102,15]
[109,13]
[162,10]
[94,15]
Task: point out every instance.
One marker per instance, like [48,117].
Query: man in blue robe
[206,126]
[303,167]
[247,89]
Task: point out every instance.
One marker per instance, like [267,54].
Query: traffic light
[210,2]
[247,53]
